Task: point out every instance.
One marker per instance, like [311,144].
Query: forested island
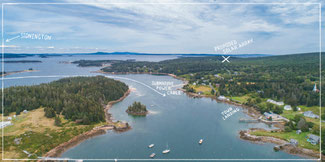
[79,99]
[137,109]
[5,73]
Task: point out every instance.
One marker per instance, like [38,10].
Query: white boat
[166,151]
[201,141]
[151,145]
[152,155]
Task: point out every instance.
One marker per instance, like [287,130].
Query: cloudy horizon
[161,28]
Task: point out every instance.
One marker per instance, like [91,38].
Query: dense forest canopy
[77,98]
[288,78]
[137,109]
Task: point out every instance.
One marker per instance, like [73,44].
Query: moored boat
[151,145]
[152,155]
[166,151]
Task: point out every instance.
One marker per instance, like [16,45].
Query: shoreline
[96,131]
[282,145]
[252,112]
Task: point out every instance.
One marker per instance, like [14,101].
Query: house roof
[313,137]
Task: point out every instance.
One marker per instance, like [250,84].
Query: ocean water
[175,121]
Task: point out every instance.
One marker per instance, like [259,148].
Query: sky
[161,27]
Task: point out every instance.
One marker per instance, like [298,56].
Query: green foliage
[289,78]
[39,143]
[137,109]
[75,97]
[287,129]
[57,121]
[188,88]
[302,125]
[49,112]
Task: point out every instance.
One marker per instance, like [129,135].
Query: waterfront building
[275,102]
[313,139]
[310,114]
[287,107]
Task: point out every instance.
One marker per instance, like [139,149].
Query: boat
[152,155]
[166,151]
[201,141]
[151,145]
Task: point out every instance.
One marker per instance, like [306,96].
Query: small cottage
[287,107]
[310,114]
[313,139]
[298,131]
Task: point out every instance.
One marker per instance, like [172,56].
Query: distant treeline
[85,63]
[23,61]
[289,78]
[77,98]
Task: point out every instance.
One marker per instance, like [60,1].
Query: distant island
[23,61]
[5,73]
[137,109]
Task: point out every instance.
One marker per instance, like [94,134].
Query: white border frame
[320,68]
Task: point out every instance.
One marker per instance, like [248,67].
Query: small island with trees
[137,109]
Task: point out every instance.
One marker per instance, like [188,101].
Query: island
[137,109]
[23,61]
[49,118]
[6,73]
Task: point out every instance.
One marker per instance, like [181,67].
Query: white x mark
[225,59]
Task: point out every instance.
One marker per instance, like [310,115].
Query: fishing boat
[152,155]
[166,151]
[151,145]
[201,141]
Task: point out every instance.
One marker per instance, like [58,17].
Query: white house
[275,102]
[4,124]
[287,107]
[310,114]
[222,98]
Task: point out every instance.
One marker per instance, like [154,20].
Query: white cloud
[165,28]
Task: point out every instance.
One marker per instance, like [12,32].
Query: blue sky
[162,28]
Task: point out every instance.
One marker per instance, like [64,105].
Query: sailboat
[166,151]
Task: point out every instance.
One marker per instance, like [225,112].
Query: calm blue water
[176,121]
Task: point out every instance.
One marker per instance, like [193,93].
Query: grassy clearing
[205,89]
[38,134]
[314,109]
[241,99]
[289,114]
[301,138]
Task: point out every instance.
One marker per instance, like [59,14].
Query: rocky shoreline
[116,126]
[282,144]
